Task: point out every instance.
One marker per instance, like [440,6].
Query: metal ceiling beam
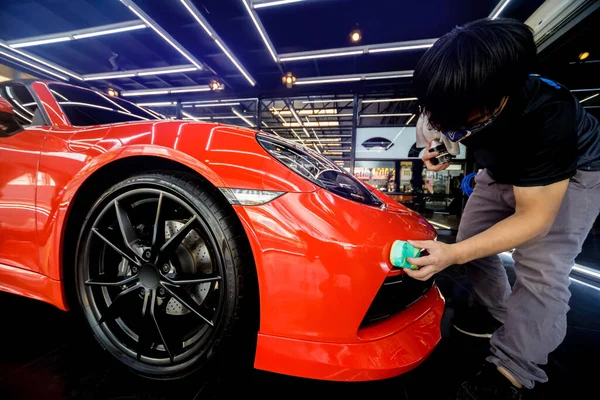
[78,34]
[357,50]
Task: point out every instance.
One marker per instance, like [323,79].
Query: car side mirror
[9,125]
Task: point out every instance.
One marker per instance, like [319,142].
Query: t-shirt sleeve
[553,157]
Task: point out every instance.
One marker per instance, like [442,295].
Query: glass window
[379,174]
[85,107]
[25,107]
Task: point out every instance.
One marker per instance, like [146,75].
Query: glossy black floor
[44,354]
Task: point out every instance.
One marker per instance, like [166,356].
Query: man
[539,193]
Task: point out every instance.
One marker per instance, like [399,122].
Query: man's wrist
[460,253]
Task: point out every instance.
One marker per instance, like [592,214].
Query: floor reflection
[48,355]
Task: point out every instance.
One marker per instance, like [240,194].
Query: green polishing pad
[400,251]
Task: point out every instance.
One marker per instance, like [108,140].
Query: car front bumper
[321,262]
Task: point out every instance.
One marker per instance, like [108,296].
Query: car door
[19,178]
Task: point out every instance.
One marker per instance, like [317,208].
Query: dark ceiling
[302,26]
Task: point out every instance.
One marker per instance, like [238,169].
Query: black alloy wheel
[159,273]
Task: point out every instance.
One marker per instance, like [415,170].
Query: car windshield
[85,107]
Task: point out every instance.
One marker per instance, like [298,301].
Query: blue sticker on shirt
[551,83]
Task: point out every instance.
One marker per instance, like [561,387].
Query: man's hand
[440,257]
[427,156]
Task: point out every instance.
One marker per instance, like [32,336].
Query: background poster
[390,143]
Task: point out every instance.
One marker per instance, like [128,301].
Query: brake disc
[193,258]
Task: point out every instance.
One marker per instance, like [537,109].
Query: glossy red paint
[320,258]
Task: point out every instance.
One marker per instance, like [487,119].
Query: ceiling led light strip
[328,101]
[358,50]
[140,72]
[161,32]
[498,9]
[389,100]
[260,29]
[109,31]
[340,54]
[354,78]
[42,41]
[274,3]
[208,29]
[64,78]
[211,105]
[239,115]
[385,115]
[150,92]
[41,61]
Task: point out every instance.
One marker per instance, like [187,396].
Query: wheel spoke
[143,338]
[178,237]
[114,310]
[158,236]
[156,325]
[184,298]
[101,281]
[189,280]
[129,236]
[115,248]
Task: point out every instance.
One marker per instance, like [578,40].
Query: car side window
[85,107]
[24,105]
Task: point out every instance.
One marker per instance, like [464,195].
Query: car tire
[165,298]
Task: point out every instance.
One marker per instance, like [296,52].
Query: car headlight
[317,169]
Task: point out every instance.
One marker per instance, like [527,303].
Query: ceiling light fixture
[334,80]
[212,105]
[584,55]
[157,104]
[354,77]
[328,55]
[385,115]
[239,115]
[162,33]
[590,97]
[64,78]
[400,48]
[112,92]
[311,124]
[357,50]
[218,41]
[167,71]
[41,61]
[499,8]
[306,132]
[110,76]
[188,116]
[389,100]
[215,85]
[38,42]
[355,36]
[274,3]
[349,100]
[109,31]
[288,80]
[260,29]
[150,92]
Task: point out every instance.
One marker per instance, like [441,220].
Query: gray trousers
[534,310]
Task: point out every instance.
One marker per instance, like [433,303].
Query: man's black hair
[472,68]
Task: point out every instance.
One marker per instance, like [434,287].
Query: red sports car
[173,238]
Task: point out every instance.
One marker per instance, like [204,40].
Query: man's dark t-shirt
[542,136]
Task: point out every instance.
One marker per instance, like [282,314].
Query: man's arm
[535,212]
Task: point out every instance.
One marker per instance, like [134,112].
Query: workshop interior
[204,199]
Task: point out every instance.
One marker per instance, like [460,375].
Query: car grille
[396,293]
